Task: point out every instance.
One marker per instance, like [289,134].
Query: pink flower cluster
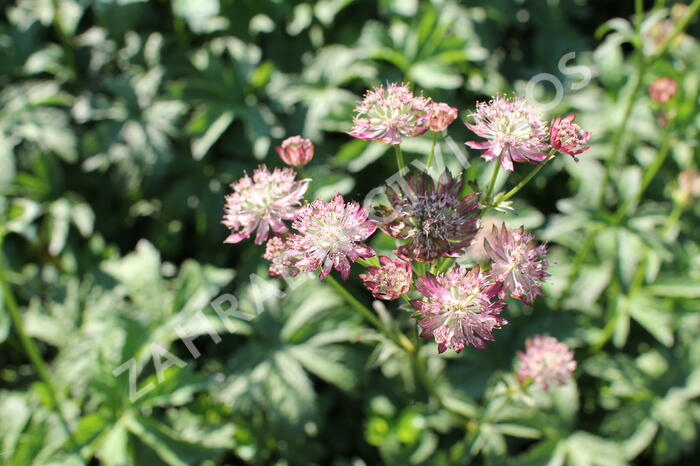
[546,362]
[516,132]
[432,220]
[459,308]
[391,113]
[517,264]
[261,204]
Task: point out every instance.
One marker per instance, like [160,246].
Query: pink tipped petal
[458,308]
[512,129]
[329,235]
[546,361]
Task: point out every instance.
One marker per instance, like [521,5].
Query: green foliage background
[123,121]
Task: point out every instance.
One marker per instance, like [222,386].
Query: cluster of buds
[431,219]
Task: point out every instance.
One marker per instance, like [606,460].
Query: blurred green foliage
[123,121]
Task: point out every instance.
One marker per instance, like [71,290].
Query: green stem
[399,339]
[492,181]
[524,181]
[673,218]
[399,158]
[432,151]
[580,256]
[643,64]
[649,175]
[622,127]
[31,349]
[420,369]
[680,26]
[638,16]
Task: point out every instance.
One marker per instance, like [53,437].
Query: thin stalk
[403,343]
[32,351]
[678,29]
[432,150]
[638,16]
[620,131]
[524,181]
[673,218]
[649,175]
[399,158]
[420,369]
[492,181]
[580,256]
[643,64]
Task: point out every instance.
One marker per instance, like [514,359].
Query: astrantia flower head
[329,236]
[283,261]
[389,281]
[262,203]
[459,308]
[431,216]
[663,89]
[296,151]
[515,132]
[688,185]
[567,137]
[388,114]
[441,116]
[546,361]
[519,266]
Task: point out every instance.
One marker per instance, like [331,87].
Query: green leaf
[216,125]
[197,13]
[171,449]
[325,364]
[677,287]
[651,315]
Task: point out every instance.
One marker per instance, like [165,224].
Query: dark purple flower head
[431,216]
[515,263]
[459,308]
[389,281]
[546,361]
[567,137]
[513,130]
[263,203]
[329,236]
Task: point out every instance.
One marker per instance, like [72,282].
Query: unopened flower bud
[296,151]
[663,89]
[441,116]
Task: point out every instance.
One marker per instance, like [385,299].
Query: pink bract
[296,151]
[546,361]
[459,308]
[389,281]
[513,130]
[262,203]
[388,114]
[567,137]
[515,263]
[329,236]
